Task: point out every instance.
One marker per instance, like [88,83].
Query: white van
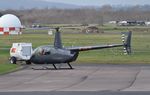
[21,52]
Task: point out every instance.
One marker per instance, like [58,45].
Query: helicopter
[57,54]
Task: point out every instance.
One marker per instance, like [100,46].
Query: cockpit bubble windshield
[42,50]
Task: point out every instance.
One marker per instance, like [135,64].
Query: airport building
[10,25]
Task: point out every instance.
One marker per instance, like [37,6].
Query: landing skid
[59,68]
[55,67]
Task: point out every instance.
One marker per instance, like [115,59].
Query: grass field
[6,68]
[140,46]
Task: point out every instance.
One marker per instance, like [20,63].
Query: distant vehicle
[131,23]
[57,54]
[36,26]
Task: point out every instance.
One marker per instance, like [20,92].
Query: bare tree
[81,15]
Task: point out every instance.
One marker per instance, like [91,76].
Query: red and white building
[10,25]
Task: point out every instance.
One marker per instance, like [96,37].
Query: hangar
[10,25]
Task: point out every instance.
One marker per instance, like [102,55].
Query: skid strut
[70,65]
[55,66]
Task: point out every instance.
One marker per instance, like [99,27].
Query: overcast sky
[104,2]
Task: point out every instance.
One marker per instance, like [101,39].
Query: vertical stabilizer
[57,41]
[127,41]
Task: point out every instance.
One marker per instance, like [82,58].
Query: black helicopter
[57,54]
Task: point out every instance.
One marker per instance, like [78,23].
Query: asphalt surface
[83,80]
[75,93]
